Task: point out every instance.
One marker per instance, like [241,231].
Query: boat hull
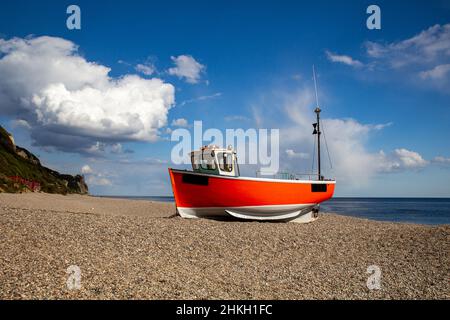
[201,195]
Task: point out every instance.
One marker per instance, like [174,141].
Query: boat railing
[288,176]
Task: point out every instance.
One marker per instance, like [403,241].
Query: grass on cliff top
[13,165]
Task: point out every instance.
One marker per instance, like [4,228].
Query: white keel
[299,213]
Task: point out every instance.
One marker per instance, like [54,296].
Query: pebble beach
[136,249]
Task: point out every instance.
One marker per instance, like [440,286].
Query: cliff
[21,171]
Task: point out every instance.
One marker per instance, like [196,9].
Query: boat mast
[317,126]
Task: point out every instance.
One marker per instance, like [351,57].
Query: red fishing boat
[215,188]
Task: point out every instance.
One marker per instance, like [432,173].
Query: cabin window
[194,162]
[208,162]
[225,161]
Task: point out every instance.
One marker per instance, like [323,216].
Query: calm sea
[412,210]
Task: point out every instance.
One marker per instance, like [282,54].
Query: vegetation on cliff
[21,171]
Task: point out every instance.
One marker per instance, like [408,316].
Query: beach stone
[129,249]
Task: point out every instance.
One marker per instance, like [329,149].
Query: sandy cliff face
[21,171]
[7,140]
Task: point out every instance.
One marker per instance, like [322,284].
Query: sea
[431,211]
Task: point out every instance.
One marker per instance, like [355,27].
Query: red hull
[202,191]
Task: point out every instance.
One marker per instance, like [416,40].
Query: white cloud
[64,95]
[130,108]
[343,59]
[381,126]
[441,160]
[410,159]
[86,169]
[428,46]
[20,123]
[201,98]
[95,149]
[186,67]
[296,155]
[400,159]
[147,69]
[422,60]
[347,139]
[96,178]
[437,73]
[180,122]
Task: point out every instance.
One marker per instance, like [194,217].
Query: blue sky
[385,95]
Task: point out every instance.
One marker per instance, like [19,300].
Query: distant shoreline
[429,211]
[152,196]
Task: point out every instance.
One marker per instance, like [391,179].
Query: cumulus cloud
[126,109]
[73,104]
[410,159]
[353,163]
[343,59]
[187,68]
[348,138]
[400,159]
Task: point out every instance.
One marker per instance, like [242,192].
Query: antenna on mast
[317,126]
[315,86]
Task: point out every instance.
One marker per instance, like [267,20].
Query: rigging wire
[326,145]
[323,125]
[317,103]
